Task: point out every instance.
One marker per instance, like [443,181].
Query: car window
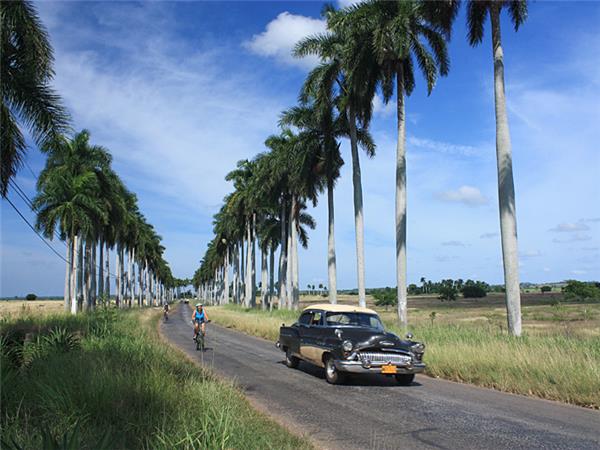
[305,318]
[316,318]
[354,319]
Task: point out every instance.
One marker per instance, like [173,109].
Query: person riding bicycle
[166,311]
[199,319]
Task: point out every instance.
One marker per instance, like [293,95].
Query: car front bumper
[373,368]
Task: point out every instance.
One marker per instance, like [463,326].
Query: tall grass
[559,366]
[106,380]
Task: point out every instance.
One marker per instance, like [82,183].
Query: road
[375,413]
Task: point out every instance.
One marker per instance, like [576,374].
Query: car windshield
[354,319]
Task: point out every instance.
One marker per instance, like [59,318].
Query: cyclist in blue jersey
[199,319]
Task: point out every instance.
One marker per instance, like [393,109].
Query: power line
[35,231]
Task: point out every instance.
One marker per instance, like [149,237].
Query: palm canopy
[477,12]
[26,61]
[400,33]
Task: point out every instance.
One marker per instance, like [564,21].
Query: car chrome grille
[382,357]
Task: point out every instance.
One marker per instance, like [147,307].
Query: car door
[312,338]
[302,327]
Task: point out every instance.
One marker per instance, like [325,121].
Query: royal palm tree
[399,33]
[68,189]
[26,71]
[477,12]
[346,67]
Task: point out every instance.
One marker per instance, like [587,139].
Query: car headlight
[418,348]
[347,346]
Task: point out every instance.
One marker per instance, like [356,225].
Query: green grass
[559,365]
[106,380]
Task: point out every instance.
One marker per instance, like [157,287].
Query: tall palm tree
[346,64]
[400,33]
[68,189]
[477,12]
[26,71]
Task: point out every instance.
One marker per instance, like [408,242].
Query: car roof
[339,308]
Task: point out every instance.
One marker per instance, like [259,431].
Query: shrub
[545,289]
[448,292]
[385,297]
[31,297]
[474,291]
[581,291]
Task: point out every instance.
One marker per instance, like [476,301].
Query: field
[106,381]
[18,308]
[557,358]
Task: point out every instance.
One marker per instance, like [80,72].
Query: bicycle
[200,337]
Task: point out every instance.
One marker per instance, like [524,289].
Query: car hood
[364,339]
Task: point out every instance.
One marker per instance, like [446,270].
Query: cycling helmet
[199,304]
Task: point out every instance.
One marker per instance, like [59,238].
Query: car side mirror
[338,333]
[409,335]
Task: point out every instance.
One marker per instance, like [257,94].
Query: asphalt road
[375,413]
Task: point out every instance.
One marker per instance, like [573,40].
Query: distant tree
[475,289]
[447,290]
[413,289]
[545,289]
[581,291]
[385,297]
[31,297]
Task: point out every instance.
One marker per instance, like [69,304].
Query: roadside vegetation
[557,358]
[104,380]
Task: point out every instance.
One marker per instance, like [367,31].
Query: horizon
[207,89]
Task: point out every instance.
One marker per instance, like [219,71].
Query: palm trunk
[107,279]
[87,292]
[243,270]
[290,262]
[94,291]
[131,277]
[248,270]
[283,259]
[271,276]
[226,278]
[401,203]
[141,285]
[67,295]
[118,277]
[74,274]
[101,273]
[294,231]
[80,279]
[506,188]
[263,278]
[253,263]
[236,275]
[358,210]
[331,262]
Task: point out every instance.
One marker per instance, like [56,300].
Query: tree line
[369,48]
[80,198]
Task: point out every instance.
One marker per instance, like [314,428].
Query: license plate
[388,368]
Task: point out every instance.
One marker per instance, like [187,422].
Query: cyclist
[166,311]
[199,319]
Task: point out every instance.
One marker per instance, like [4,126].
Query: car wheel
[332,375]
[290,360]
[405,379]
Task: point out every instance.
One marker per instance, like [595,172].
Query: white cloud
[453,244]
[577,237]
[346,3]
[570,227]
[530,254]
[489,235]
[382,109]
[468,195]
[547,269]
[282,34]
[443,147]
[579,272]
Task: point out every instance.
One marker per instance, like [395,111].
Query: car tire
[290,360]
[405,379]
[332,375]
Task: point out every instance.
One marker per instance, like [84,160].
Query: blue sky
[181,91]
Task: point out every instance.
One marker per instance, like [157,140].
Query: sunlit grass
[561,365]
[123,384]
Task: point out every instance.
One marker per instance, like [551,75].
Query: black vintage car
[346,339]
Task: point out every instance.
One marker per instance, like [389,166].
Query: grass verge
[105,380]
[558,366]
